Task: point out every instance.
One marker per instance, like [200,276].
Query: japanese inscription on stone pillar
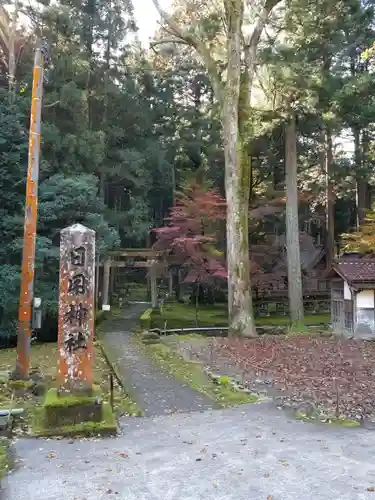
[76,308]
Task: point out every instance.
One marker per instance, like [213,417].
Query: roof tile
[356,267]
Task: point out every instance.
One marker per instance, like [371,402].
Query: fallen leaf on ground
[329,372]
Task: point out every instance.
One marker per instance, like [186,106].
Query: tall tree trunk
[365,152]
[237,161]
[88,35]
[237,186]
[360,184]
[12,55]
[292,227]
[330,200]
[327,168]
[106,100]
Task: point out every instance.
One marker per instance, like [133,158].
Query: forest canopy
[125,127]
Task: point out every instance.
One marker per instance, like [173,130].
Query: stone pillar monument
[76,310]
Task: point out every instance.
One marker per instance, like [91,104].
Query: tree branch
[199,46]
[51,105]
[168,40]
[250,48]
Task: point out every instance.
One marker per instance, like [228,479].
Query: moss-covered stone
[145,319]
[151,341]
[55,400]
[151,335]
[44,358]
[106,427]
[71,409]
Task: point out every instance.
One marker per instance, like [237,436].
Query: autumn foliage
[191,233]
[362,240]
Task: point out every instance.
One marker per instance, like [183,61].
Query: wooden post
[170,283]
[148,284]
[154,288]
[28,252]
[178,285]
[112,278]
[106,278]
[76,309]
[111,390]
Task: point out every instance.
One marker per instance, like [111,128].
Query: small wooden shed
[353,295]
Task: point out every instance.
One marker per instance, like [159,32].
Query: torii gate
[153,259]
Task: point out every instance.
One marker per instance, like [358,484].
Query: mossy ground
[332,421]
[4,457]
[184,316]
[193,375]
[45,358]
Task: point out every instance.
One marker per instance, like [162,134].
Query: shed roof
[355,268]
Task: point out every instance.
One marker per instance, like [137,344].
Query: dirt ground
[330,376]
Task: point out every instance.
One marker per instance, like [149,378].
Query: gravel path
[156,393]
[247,453]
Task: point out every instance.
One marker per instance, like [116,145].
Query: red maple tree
[191,233]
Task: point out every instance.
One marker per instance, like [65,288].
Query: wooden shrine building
[353,295]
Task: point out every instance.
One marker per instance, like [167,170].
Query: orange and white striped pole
[28,253]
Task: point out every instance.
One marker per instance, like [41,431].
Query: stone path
[247,453]
[156,392]
[252,452]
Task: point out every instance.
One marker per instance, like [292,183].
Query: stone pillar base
[62,409]
[89,419]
